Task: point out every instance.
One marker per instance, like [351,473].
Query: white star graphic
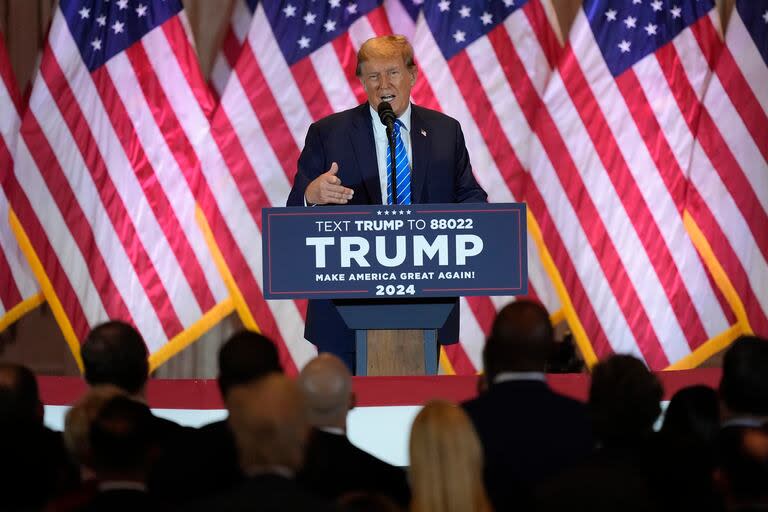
[465,11]
[309,18]
[610,14]
[96,43]
[635,2]
[122,4]
[651,29]
[289,11]
[101,20]
[118,27]
[765,16]
[624,46]
[630,21]
[84,13]
[330,26]
[486,18]
[352,8]
[656,4]
[141,10]
[676,12]
[334,3]
[460,36]
[444,5]
[509,3]
[304,42]
[418,2]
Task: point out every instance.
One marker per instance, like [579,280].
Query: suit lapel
[365,152]
[421,148]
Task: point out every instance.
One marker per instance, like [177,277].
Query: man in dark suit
[528,432]
[123,445]
[333,465]
[344,161]
[269,420]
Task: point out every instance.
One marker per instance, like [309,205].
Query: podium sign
[380,251]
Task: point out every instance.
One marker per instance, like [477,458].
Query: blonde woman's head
[446,466]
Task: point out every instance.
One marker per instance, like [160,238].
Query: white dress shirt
[380,138]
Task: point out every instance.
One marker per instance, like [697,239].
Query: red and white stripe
[231,45]
[106,180]
[17,284]
[729,169]
[608,173]
[492,88]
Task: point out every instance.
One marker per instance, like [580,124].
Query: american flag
[106,175]
[296,66]
[728,199]
[234,37]
[609,169]
[18,289]
[486,64]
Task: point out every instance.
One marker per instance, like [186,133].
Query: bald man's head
[522,338]
[269,420]
[327,387]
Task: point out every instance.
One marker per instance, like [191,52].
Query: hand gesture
[327,189]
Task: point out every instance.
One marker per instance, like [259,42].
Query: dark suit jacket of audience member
[334,466]
[202,463]
[171,439]
[120,500]
[266,493]
[528,433]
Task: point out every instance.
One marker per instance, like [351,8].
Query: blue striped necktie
[403,170]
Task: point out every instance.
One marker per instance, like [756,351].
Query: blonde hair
[446,468]
[385,47]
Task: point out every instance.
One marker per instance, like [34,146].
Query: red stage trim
[370,391]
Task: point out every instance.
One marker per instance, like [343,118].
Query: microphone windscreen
[386,114]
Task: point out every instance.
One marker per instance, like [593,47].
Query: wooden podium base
[396,352]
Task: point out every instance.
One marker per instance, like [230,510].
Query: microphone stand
[392,162]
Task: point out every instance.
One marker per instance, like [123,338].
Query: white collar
[129,485]
[515,376]
[278,470]
[333,430]
[405,118]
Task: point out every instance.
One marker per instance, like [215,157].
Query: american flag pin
[424,133]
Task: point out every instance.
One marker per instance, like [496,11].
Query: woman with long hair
[446,472]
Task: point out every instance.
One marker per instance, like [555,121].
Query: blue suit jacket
[440,173]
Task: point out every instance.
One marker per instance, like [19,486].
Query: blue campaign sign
[424,250]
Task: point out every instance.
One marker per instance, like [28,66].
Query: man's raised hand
[327,189]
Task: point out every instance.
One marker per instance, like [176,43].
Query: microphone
[388,117]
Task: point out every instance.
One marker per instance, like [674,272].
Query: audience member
[528,432]
[744,384]
[742,468]
[269,420]
[693,414]
[77,430]
[333,465]
[204,462]
[624,402]
[123,445]
[446,462]
[34,464]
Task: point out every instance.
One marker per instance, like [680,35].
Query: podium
[395,272]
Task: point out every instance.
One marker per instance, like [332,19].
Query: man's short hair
[624,399]
[244,357]
[114,353]
[744,384]
[521,339]
[122,435]
[19,395]
[385,47]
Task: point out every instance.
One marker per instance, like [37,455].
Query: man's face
[388,80]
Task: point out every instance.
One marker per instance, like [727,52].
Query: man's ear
[414,73]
